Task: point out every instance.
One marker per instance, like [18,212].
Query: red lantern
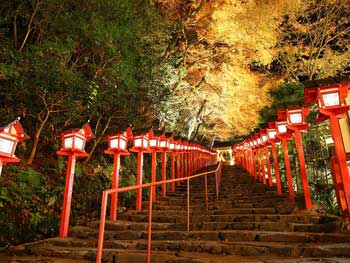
[73,141]
[10,135]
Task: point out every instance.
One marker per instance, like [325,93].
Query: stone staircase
[247,224]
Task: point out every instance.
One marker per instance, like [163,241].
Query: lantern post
[271,139]
[172,148]
[331,105]
[10,135]
[178,160]
[254,156]
[261,158]
[154,147]
[283,135]
[117,146]
[164,146]
[73,146]
[296,123]
[265,150]
[141,146]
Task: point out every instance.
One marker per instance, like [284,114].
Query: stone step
[226,235]
[224,248]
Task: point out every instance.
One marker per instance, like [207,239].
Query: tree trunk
[37,136]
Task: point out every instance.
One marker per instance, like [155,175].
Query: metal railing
[106,193]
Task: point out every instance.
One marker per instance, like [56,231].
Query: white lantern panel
[138,142]
[163,144]
[331,99]
[122,144]
[282,128]
[79,143]
[145,142]
[296,118]
[6,145]
[153,143]
[264,138]
[113,143]
[272,134]
[68,142]
[259,141]
[172,146]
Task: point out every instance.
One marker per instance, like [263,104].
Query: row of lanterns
[253,152]
[189,158]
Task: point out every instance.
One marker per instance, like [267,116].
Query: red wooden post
[288,170]
[172,171]
[276,168]
[302,166]
[178,167]
[340,153]
[67,199]
[339,187]
[115,183]
[262,165]
[73,145]
[149,227]
[163,173]
[253,164]
[331,102]
[139,180]
[258,160]
[267,156]
[154,174]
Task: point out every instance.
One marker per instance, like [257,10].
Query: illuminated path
[249,223]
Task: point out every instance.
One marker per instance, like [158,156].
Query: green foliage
[282,97]
[28,209]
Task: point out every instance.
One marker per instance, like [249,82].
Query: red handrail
[105,194]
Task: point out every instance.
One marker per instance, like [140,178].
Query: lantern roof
[84,129]
[15,128]
[271,125]
[310,87]
[281,114]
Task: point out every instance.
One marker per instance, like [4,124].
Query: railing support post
[206,192]
[188,204]
[101,232]
[149,234]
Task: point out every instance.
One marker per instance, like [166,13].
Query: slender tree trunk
[37,137]
[99,139]
[29,28]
